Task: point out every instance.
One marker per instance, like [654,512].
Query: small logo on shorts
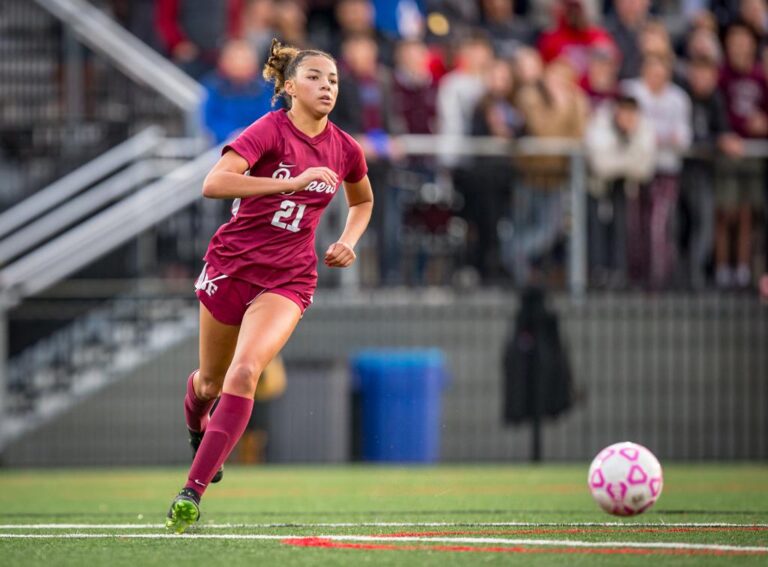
[207,285]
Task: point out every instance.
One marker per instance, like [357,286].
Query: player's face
[316,85]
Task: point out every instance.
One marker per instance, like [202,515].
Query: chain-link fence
[683,375]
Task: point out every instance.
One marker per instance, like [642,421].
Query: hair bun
[282,63]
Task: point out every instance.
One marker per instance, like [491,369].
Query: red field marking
[582,531]
[329,544]
[674,530]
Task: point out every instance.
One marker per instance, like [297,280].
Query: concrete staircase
[98,349]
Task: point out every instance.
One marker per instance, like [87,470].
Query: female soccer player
[261,267]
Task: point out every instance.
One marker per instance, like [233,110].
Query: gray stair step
[13,41]
[38,66]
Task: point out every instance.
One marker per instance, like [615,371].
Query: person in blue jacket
[236,94]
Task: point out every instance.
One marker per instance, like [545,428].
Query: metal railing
[106,231]
[488,146]
[33,208]
[129,218]
[76,209]
[180,188]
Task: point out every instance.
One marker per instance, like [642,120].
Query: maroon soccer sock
[222,433]
[195,409]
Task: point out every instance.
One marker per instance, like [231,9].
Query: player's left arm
[359,195]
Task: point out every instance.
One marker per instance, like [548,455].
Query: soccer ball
[625,479]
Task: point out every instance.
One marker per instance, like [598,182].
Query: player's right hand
[324,174]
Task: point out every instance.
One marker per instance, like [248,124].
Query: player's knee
[209,387]
[244,376]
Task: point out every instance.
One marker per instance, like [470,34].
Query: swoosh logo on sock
[200,483]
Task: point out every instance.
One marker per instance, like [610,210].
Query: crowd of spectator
[669,99]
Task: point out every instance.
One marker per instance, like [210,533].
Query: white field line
[450,540]
[389,525]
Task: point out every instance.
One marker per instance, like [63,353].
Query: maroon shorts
[229,298]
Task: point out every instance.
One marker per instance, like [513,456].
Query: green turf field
[499,515]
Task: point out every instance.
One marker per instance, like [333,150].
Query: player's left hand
[339,255]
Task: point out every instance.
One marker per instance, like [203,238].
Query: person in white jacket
[458,94]
[668,108]
[621,152]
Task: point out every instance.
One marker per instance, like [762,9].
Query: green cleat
[184,511]
[195,438]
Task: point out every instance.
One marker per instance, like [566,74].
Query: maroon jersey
[270,239]
[745,94]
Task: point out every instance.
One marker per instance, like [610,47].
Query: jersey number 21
[280,220]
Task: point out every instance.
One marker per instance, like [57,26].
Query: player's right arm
[226,179]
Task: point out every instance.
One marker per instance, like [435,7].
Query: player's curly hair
[282,64]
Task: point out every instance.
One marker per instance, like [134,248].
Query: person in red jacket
[573,36]
[192,32]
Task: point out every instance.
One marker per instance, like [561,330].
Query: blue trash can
[400,403]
